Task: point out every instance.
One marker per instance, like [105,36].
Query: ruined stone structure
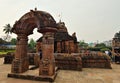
[66,61]
[46,25]
[55,41]
[63,42]
[116,47]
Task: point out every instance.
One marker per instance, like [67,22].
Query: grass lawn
[2,52]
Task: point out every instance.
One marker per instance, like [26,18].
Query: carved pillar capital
[22,39]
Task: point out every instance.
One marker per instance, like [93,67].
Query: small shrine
[63,42]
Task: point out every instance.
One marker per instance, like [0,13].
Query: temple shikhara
[63,42]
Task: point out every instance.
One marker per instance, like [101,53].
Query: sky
[92,20]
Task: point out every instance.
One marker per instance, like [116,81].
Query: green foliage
[104,49]
[94,49]
[13,41]
[100,45]
[83,44]
[32,44]
[7,29]
[6,51]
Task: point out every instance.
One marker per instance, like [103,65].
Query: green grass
[5,51]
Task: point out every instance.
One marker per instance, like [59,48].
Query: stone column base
[20,65]
[47,67]
[33,77]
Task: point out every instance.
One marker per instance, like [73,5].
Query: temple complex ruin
[59,49]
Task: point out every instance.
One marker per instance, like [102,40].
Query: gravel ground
[87,75]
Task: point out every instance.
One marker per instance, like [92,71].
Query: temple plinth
[21,63]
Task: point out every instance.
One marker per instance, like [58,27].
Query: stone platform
[95,60]
[33,75]
[68,62]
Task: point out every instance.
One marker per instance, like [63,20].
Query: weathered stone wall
[95,61]
[68,62]
[8,58]
[91,60]
[33,58]
[71,61]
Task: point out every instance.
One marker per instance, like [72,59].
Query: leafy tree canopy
[7,30]
[32,44]
[13,41]
[83,44]
[100,45]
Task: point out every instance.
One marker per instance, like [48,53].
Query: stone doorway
[46,25]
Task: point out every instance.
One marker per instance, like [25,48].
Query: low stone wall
[74,61]
[33,58]
[95,61]
[8,58]
[68,62]
[2,55]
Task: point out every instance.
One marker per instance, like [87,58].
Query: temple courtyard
[87,75]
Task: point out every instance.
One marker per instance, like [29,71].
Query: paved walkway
[88,75]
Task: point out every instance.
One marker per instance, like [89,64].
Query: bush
[94,49]
[104,49]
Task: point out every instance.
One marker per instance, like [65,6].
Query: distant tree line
[12,42]
[98,47]
[8,30]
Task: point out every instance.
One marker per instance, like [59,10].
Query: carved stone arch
[29,25]
[40,19]
[46,25]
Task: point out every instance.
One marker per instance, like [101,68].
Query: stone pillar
[21,63]
[59,47]
[47,64]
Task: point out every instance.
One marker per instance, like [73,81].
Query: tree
[103,47]
[7,30]
[2,41]
[117,35]
[100,45]
[83,44]
[32,44]
[13,41]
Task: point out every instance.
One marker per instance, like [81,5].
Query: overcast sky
[92,20]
